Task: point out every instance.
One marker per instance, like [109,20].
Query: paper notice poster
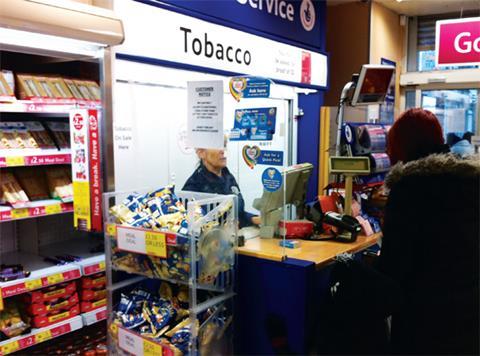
[205,114]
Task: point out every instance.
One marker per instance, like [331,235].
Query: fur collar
[436,164]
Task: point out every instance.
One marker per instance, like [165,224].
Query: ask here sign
[458,42]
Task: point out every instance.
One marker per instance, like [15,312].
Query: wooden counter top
[318,252]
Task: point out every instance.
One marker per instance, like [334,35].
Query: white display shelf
[91,263]
[35,209]
[37,336]
[47,106]
[94,316]
[20,158]
[43,274]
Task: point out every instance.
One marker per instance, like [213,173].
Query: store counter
[280,299]
[318,252]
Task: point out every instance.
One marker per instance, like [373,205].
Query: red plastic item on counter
[296,229]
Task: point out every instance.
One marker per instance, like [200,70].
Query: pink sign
[458,42]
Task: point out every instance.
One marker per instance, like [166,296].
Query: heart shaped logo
[250,155]
[237,85]
[271,173]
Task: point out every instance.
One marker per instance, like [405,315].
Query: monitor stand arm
[269,220]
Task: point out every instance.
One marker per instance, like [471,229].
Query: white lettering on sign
[274,7]
[467,45]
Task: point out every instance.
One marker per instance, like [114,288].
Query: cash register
[286,203]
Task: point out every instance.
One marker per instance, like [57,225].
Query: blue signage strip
[271,158]
[297,21]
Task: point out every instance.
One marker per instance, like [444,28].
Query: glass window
[456,109]
[409,99]
[423,44]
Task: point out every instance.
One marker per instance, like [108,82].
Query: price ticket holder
[349,167]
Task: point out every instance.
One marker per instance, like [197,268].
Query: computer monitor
[372,85]
[292,191]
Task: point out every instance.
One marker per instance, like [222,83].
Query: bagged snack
[11,191]
[33,182]
[59,184]
[11,322]
[61,133]
[39,135]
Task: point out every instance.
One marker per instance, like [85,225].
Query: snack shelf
[47,106]
[198,252]
[43,274]
[19,158]
[94,316]
[35,209]
[37,336]
[92,262]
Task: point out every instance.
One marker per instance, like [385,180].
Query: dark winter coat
[431,248]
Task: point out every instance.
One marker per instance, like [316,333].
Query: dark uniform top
[204,181]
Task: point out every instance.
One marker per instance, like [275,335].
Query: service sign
[295,20]
[458,42]
[190,41]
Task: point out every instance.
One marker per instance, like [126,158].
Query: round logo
[93,122]
[78,121]
[272,179]
[307,15]
[348,134]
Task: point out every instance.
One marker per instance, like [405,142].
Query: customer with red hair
[431,239]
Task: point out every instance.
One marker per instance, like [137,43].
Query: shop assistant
[213,176]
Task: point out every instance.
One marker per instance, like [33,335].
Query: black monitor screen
[372,85]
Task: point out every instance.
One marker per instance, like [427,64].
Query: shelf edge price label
[130,342]
[15,161]
[33,284]
[20,213]
[10,347]
[155,244]
[151,348]
[1,300]
[43,336]
[101,265]
[55,278]
[111,229]
[53,209]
